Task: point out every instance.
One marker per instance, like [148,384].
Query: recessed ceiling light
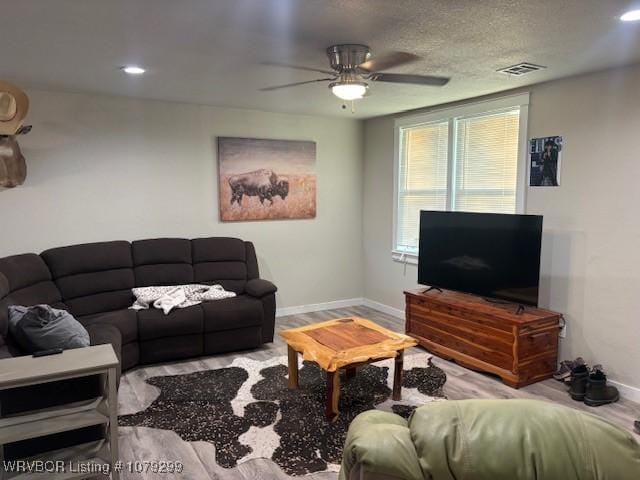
[631,16]
[133,69]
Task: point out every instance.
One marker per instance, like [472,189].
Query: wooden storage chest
[520,347]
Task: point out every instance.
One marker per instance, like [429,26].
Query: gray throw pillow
[42,328]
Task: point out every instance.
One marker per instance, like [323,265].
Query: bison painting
[266,179]
[263,183]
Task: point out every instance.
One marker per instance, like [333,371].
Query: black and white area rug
[246,410]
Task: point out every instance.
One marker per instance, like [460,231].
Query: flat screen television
[491,255]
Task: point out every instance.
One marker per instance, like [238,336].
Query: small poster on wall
[545,158]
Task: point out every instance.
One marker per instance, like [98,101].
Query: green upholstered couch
[489,440]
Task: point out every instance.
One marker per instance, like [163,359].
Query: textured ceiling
[210,51]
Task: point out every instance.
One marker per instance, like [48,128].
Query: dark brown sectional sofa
[94,281]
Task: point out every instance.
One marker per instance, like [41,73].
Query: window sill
[405,257]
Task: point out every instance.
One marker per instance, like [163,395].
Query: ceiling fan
[353,67]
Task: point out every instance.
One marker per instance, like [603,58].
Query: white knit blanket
[181,296]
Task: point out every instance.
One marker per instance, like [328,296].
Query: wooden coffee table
[344,343]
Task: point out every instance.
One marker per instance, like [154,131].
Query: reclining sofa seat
[26,280]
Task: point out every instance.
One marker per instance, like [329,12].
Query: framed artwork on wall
[263,179]
[545,161]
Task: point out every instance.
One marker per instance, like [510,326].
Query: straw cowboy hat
[14,105]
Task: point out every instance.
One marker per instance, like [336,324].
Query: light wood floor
[144,444]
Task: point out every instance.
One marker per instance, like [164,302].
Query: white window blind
[422,177]
[462,162]
[486,163]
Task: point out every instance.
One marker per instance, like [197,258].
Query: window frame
[450,115]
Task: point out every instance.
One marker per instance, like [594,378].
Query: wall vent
[522,69]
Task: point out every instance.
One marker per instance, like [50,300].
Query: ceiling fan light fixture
[349,91]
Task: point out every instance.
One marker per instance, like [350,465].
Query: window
[464,159]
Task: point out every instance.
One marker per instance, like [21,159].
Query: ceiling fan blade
[413,79]
[298,67]
[388,60]
[278,87]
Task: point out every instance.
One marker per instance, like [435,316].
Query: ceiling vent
[521,69]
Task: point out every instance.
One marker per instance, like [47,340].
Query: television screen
[492,255]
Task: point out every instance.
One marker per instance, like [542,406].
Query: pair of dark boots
[591,387]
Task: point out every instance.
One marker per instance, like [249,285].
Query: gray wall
[104,168]
[591,253]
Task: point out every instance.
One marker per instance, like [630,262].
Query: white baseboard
[381,307]
[317,307]
[626,391]
[348,302]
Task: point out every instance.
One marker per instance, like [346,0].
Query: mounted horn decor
[14,106]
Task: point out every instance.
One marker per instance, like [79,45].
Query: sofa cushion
[231,275]
[100,303]
[162,261]
[93,277]
[220,260]
[24,270]
[40,293]
[218,249]
[163,275]
[125,320]
[223,341]
[88,257]
[153,323]
[87,284]
[161,250]
[232,313]
[29,280]
[41,327]
[171,348]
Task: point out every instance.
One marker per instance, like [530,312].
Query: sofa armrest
[106,334]
[264,291]
[379,446]
[259,288]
